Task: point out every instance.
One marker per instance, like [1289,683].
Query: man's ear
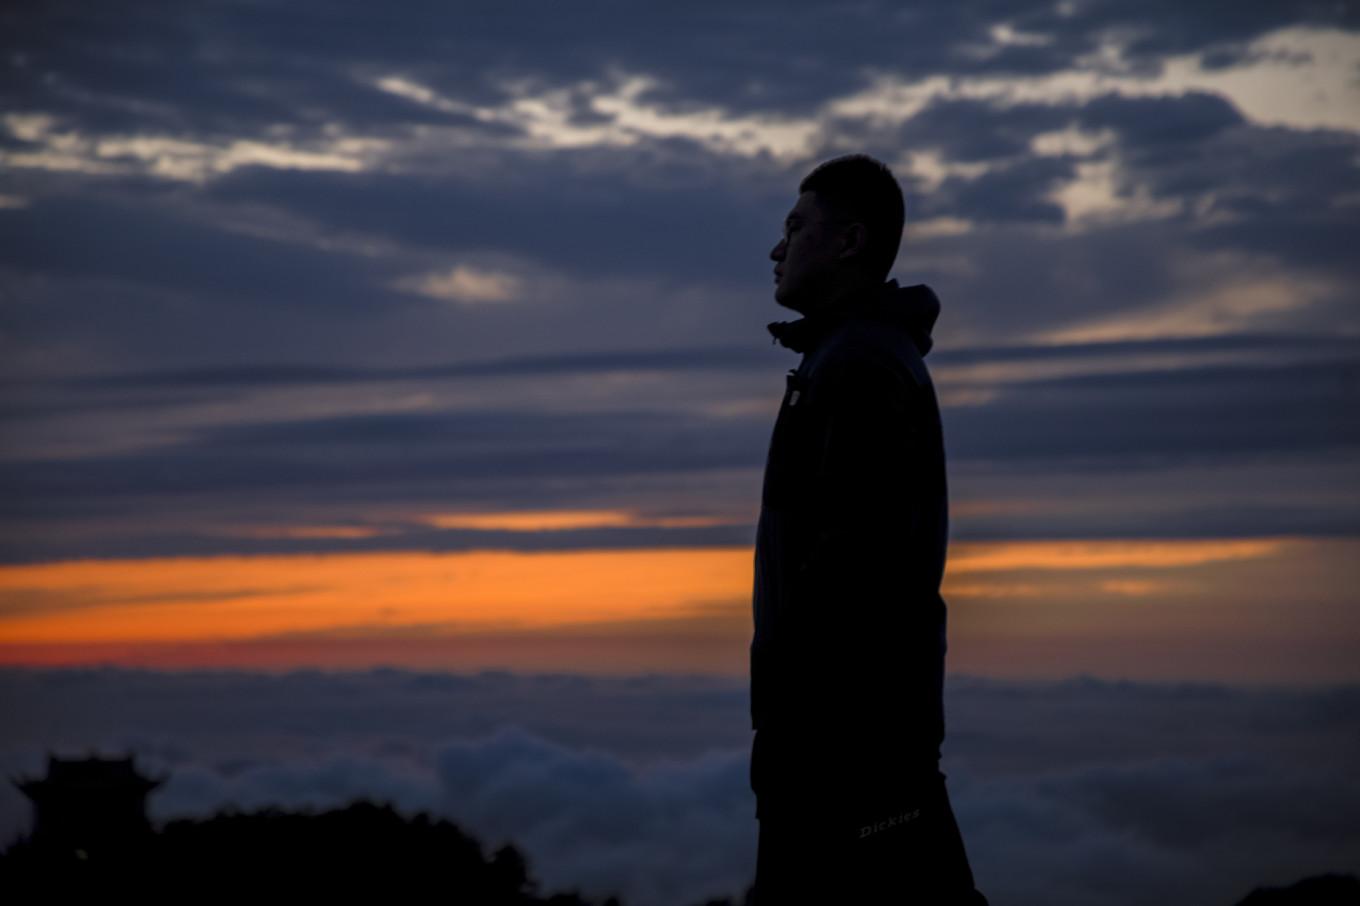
[854,240]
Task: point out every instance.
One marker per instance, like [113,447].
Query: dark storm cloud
[1318,242]
[669,209]
[1194,148]
[1289,195]
[147,390]
[1186,509]
[1067,792]
[1257,342]
[156,389]
[1184,29]
[667,360]
[393,456]
[119,240]
[971,130]
[603,362]
[46,547]
[228,67]
[1148,124]
[1111,416]
[224,69]
[587,221]
[570,209]
[1148,419]
[1101,421]
[1015,192]
[1255,189]
[1012,281]
[1152,31]
[1242,54]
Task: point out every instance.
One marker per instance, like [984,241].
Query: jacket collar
[913,308]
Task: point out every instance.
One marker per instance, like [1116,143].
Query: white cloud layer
[63,147]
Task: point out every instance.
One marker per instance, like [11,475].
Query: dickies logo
[885,824]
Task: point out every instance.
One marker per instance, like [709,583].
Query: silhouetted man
[847,660]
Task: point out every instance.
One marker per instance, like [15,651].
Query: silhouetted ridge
[1322,890]
[362,847]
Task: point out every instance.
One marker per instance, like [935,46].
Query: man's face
[807,258]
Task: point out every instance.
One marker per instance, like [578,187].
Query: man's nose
[777,253]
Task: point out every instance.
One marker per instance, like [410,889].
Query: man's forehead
[806,208]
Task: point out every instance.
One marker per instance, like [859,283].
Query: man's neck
[805,333]
[837,297]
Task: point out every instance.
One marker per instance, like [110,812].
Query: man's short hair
[863,189]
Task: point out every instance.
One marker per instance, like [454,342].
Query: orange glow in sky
[192,598]
[557,520]
[1188,608]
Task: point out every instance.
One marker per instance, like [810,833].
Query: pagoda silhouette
[89,808]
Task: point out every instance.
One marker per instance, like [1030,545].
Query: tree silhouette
[364,846]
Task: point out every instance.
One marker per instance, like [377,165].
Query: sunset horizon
[1018,609]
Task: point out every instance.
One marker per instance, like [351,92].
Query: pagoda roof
[88,774]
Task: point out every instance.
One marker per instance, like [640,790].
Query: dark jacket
[847,659]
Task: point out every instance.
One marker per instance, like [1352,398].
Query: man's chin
[782,298]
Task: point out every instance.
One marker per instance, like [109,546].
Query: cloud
[158,248]
[1080,791]
[579,211]
[465,285]
[166,157]
[1031,416]
[609,826]
[1143,416]
[761,67]
[559,520]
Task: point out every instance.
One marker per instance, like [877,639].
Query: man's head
[842,234]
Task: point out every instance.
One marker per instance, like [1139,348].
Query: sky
[336,337]
[431,337]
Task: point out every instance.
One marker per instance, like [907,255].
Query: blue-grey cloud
[670,361]
[142,243]
[1149,124]
[1014,192]
[236,66]
[1277,399]
[1067,792]
[1139,418]
[616,211]
[364,452]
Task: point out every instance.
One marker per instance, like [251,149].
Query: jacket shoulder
[869,350]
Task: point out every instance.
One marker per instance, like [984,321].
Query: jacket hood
[914,308]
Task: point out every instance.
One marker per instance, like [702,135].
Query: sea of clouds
[1077,792]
